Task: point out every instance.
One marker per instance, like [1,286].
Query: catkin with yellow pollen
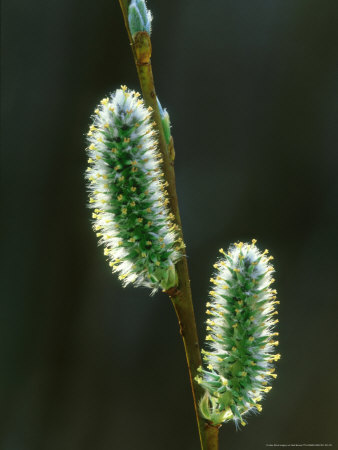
[128,194]
[241,342]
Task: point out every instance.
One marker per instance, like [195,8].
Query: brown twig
[181,296]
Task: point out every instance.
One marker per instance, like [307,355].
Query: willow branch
[180,296]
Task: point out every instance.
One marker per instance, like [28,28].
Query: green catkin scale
[239,360]
[128,194]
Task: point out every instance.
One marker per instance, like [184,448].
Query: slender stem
[211,433]
[181,296]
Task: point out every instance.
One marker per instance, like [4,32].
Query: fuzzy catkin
[128,194]
[239,360]
[139,17]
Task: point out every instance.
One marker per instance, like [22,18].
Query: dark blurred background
[251,87]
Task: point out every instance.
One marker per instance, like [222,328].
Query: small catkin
[128,193]
[165,119]
[241,317]
[139,17]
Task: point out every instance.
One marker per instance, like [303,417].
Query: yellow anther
[234,349]
[104,177]
[99,139]
[243,423]
[122,277]
[132,239]
[244,374]
[251,338]
[148,243]
[117,168]
[215,266]
[212,293]
[106,125]
[139,219]
[252,318]
[211,322]
[97,111]
[149,223]
[98,157]
[106,251]
[266,251]
[139,102]
[123,87]
[259,407]
[210,367]
[235,325]
[148,210]
[143,255]
[134,169]
[209,338]
[92,147]
[137,94]
[224,381]
[91,200]
[126,140]
[150,108]
[111,109]
[267,389]
[133,189]
[90,160]
[124,211]
[222,251]
[254,241]
[132,204]
[114,150]
[104,101]
[236,270]
[157,263]
[253,363]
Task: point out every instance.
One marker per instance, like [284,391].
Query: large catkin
[128,195]
[240,355]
